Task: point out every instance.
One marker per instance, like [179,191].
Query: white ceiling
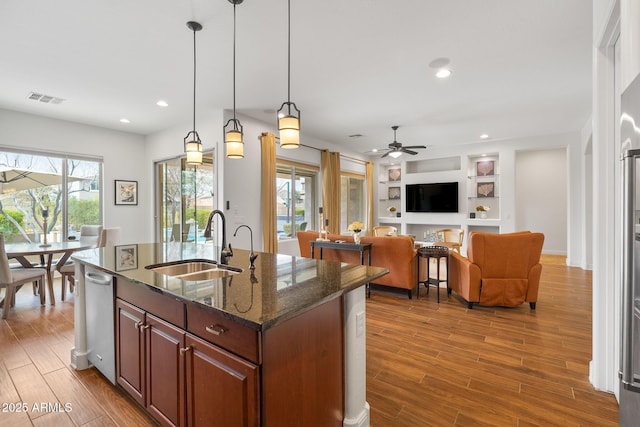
[520,67]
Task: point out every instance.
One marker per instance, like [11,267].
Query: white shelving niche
[389,193]
[483,187]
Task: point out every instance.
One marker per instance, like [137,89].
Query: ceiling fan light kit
[396,149]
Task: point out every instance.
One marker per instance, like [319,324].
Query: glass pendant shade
[193,149]
[395,154]
[195,157]
[289,127]
[233,142]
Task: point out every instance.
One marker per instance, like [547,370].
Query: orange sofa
[397,253]
[500,269]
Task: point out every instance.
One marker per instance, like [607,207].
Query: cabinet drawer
[224,332]
[163,306]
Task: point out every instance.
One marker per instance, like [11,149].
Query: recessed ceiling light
[162,103]
[124,120]
[484,136]
[375,150]
[443,73]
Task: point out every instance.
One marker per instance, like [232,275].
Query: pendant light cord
[289,53]
[234,66]
[194,81]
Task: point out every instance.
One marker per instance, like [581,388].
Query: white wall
[541,196]
[123,155]
[606,244]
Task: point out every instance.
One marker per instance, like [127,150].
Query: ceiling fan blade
[385,154]
[409,151]
[415,146]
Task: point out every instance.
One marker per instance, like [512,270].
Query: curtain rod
[341,155]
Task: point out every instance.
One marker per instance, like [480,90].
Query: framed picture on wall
[395,174]
[126,192]
[126,257]
[485,168]
[394,193]
[486,189]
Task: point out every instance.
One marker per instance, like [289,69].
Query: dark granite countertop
[280,287]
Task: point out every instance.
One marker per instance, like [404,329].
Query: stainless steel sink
[194,269]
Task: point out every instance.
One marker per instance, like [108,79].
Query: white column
[356,408]
[79,353]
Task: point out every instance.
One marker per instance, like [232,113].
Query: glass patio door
[185,199]
[66,190]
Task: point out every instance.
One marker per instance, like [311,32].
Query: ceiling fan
[396,149]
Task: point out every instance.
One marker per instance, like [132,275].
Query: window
[353,199]
[68,188]
[296,196]
[186,198]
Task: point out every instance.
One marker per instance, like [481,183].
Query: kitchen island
[281,344]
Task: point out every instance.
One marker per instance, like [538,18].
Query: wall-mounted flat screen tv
[434,197]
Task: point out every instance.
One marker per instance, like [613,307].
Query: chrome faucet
[225,253]
[252,256]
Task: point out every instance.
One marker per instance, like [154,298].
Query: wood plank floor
[38,387]
[432,364]
[428,364]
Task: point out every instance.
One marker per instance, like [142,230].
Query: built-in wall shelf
[483,185]
[434,165]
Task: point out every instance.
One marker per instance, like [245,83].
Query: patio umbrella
[14,179]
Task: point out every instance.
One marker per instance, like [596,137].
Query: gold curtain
[330,164]
[269,209]
[369,196]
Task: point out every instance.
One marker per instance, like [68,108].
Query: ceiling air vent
[47,99]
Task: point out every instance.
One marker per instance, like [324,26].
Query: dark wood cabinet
[165,347]
[199,368]
[222,389]
[149,363]
[130,372]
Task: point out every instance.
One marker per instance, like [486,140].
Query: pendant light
[289,118]
[192,143]
[233,136]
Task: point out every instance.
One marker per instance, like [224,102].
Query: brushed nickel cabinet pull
[184,350]
[137,325]
[215,329]
[143,327]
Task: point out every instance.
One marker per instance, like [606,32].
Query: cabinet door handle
[143,327]
[184,350]
[138,324]
[215,329]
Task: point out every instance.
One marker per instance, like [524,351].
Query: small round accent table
[436,252]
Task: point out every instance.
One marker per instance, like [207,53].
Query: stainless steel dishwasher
[100,321]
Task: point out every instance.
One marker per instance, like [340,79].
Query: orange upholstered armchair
[501,269]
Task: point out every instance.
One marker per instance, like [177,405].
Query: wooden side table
[436,252]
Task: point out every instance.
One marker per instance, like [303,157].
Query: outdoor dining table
[20,251]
